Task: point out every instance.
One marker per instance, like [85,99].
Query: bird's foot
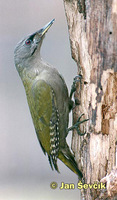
[77,126]
[75,80]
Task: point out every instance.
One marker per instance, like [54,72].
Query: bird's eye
[28,42]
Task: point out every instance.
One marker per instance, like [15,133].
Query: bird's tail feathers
[68,159]
[53,164]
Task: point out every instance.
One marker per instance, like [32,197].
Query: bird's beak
[43,30]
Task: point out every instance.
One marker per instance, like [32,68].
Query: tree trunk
[92,29]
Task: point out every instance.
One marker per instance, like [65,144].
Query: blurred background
[25,173]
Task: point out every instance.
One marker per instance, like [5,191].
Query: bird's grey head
[30,46]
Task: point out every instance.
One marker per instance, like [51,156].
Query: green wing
[44,112]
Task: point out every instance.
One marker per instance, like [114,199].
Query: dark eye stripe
[30,39]
[32,36]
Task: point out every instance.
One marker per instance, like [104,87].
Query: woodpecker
[48,99]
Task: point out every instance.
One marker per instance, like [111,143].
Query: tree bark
[92,29]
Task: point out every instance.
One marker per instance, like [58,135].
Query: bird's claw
[76,126]
[75,80]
